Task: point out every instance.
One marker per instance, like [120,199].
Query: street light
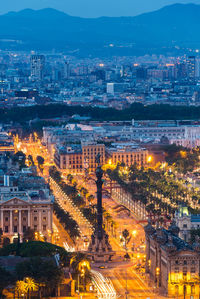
[157,276]
[149,159]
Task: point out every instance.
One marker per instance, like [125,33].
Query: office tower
[180,71]
[37,67]
[191,67]
[141,73]
[113,88]
[66,70]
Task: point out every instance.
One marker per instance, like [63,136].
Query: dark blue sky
[92,8]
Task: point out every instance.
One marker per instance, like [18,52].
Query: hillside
[177,24]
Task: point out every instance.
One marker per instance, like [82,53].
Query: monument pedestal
[100,249]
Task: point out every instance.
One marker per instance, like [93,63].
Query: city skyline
[91,9]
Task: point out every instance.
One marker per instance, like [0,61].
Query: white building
[186,222]
[37,67]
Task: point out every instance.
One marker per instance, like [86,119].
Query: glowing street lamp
[149,159]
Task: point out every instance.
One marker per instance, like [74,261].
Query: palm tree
[21,288]
[31,285]
[125,234]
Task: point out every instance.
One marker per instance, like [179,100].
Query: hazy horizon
[92,8]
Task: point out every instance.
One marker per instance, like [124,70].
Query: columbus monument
[100,249]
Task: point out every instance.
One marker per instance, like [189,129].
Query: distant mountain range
[174,25]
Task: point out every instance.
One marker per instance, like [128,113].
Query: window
[24,218]
[44,227]
[176,277]
[24,228]
[192,289]
[35,218]
[184,225]
[176,289]
[6,219]
[35,227]
[15,229]
[44,218]
[6,229]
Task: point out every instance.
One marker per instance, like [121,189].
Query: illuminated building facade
[172,264]
[37,67]
[191,65]
[90,150]
[186,222]
[20,211]
[69,158]
[77,158]
[129,155]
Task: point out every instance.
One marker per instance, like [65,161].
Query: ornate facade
[172,264]
[20,211]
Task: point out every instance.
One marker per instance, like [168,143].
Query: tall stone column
[20,221]
[29,218]
[2,226]
[11,221]
[40,220]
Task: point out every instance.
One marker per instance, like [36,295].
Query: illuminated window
[176,289]
[184,271]
[176,270]
[192,289]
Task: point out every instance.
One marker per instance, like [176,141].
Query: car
[102,267]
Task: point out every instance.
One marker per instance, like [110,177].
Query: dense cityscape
[99,158]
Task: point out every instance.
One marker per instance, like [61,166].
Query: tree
[20,158]
[90,199]
[125,234]
[31,285]
[5,279]
[30,159]
[70,178]
[20,288]
[36,248]
[44,271]
[40,161]
[6,241]
[1,234]
[29,235]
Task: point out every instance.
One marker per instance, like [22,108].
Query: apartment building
[77,158]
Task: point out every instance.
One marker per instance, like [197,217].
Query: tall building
[191,66]
[113,88]
[37,67]
[66,70]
